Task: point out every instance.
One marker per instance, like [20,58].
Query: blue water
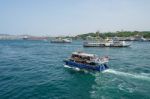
[34,70]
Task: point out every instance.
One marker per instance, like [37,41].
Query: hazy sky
[63,17]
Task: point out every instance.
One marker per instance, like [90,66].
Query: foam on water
[66,66]
[137,76]
[77,69]
[74,68]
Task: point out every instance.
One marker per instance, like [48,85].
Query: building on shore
[21,37]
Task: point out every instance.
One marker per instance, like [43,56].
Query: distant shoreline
[120,34]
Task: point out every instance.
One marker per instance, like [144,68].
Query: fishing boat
[87,61]
[60,40]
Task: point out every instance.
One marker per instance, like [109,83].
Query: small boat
[60,40]
[87,61]
[106,43]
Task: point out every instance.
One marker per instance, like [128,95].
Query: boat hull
[100,67]
[86,44]
[102,45]
[60,41]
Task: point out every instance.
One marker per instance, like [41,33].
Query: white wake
[137,76]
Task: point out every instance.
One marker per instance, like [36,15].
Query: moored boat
[106,43]
[60,40]
[87,61]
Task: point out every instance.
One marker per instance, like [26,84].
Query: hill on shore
[145,34]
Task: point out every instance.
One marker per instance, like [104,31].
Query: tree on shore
[145,34]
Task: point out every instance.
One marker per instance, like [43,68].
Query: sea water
[35,70]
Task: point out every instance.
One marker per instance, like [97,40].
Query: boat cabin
[83,57]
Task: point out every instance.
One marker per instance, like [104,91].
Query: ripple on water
[34,69]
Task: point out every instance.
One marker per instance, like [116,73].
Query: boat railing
[102,60]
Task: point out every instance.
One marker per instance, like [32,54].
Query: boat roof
[83,54]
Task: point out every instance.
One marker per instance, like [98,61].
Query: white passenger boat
[60,40]
[106,43]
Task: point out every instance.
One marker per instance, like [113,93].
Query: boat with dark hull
[86,61]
